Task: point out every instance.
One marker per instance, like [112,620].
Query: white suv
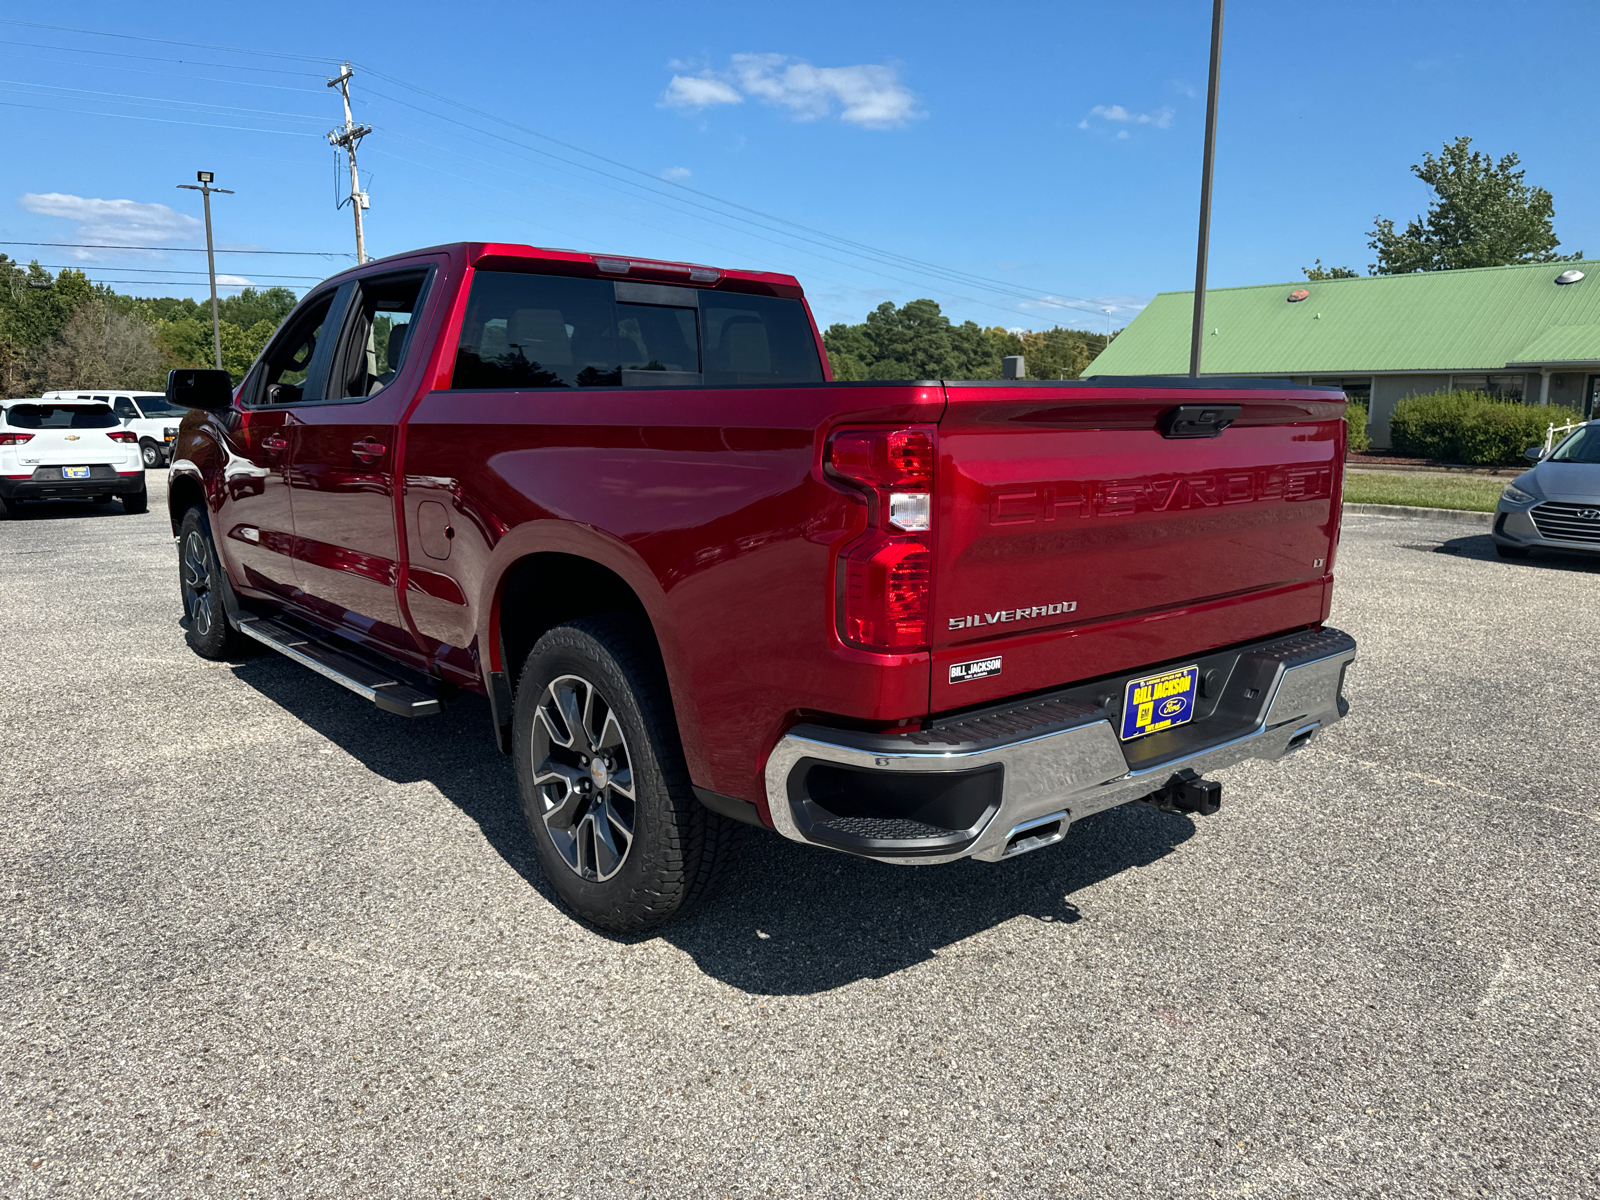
[67,449]
[147,414]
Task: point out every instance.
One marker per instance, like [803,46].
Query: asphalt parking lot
[261,939]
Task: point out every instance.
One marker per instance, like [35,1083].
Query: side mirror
[1534,454]
[193,387]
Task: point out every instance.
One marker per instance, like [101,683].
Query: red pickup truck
[703,586]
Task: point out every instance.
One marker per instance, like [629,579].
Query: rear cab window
[524,331]
[51,415]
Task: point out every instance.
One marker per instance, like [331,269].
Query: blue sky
[1047,154]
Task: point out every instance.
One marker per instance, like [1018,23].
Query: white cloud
[1161,118]
[232,281]
[676,174]
[869,95]
[127,222]
[698,91]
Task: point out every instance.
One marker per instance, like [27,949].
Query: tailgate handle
[1198,420]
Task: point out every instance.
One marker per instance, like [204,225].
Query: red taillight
[886,594]
[123,435]
[15,439]
[886,575]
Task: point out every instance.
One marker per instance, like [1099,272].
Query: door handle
[368,449]
[274,444]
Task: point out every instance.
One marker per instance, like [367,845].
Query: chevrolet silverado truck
[702,586]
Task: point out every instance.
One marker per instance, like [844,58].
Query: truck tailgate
[1074,539]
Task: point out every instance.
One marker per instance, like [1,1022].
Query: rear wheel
[206,627]
[1511,551]
[615,824]
[136,502]
[9,508]
[150,453]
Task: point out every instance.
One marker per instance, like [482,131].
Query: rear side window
[61,416]
[377,333]
[539,331]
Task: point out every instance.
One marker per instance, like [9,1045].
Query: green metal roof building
[1516,331]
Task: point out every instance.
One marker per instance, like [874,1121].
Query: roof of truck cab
[584,262]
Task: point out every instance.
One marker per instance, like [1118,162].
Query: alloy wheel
[583,771]
[198,598]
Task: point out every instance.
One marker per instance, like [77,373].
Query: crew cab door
[255,523]
[344,449]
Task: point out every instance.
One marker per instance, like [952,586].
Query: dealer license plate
[1159,702]
[74,472]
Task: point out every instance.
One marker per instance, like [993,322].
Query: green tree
[917,341]
[1318,271]
[1484,216]
[98,347]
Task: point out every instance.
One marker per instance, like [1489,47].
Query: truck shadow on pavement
[791,919]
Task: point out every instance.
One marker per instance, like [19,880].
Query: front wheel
[615,824]
[206,627]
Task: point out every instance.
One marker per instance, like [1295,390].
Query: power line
[157,101]
[134,37]
[171,271]
[157,58]
[849,246]
[180,249]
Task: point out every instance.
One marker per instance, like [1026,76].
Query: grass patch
[1473,493]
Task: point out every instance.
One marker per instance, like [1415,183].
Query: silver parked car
[1555,506]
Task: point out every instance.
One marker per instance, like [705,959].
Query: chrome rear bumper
[1058,758]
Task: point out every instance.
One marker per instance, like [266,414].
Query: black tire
[150,454]
[136,502]
[1511,551]
[205,622]
[9,508]
[104,498]
[677,850]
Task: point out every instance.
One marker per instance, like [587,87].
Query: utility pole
[205,189]
[349,137]
[1205,193]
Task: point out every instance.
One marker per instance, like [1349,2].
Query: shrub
[1355,417]
[1468,427]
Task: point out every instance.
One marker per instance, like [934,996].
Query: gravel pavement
[261,939]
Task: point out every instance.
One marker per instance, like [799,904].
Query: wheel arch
[597,578]
[184,491]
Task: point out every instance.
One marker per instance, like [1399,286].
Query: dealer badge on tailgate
[1159,702]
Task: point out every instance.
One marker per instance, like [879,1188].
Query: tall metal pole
[1205,193]
[349,137]
[205,189]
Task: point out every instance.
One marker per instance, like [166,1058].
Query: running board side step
[345,669]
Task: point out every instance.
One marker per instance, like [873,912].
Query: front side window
[125,409]
[286,365]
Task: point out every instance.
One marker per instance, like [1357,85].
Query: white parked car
[146,413]
[68,449]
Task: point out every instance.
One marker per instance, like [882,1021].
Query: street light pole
[1205,194]
[205,189]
